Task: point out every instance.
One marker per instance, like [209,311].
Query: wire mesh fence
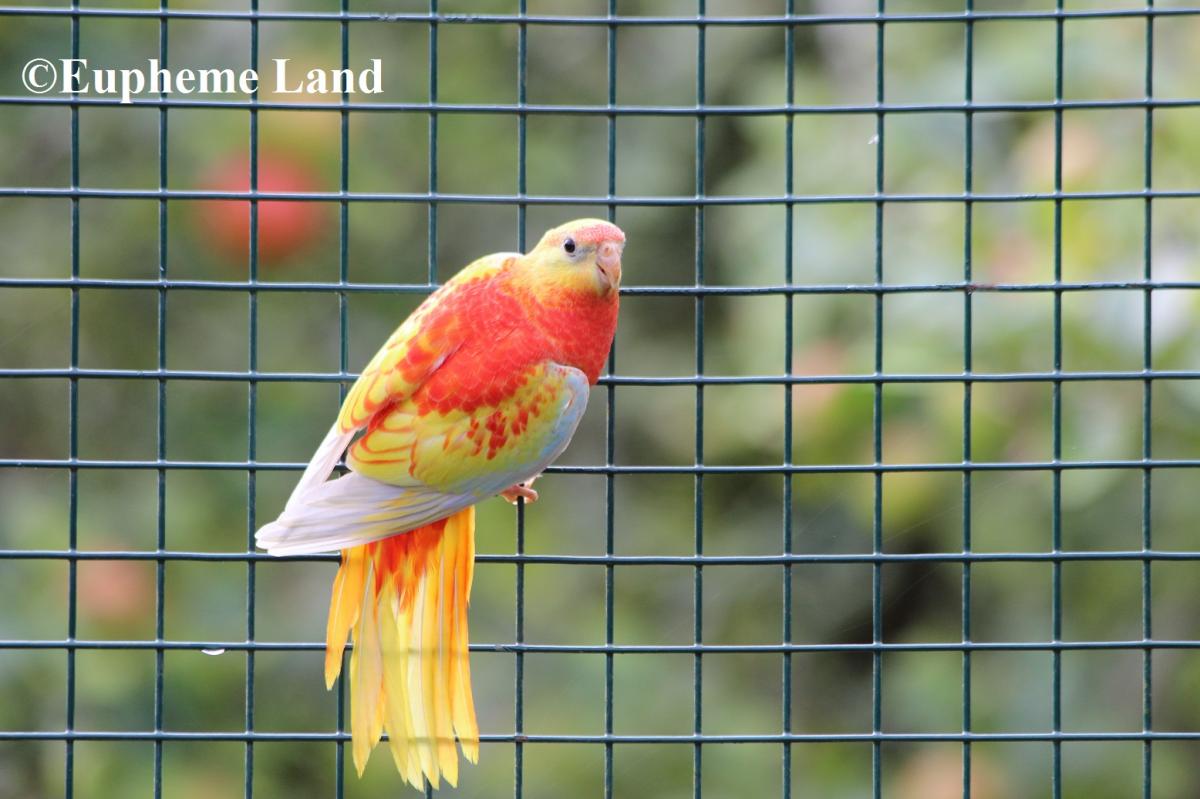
[799,450]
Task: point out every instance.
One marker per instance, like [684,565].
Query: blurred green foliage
[834,245]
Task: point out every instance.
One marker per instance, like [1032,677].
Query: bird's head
[582,257]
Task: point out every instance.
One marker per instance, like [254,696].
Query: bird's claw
[520,491]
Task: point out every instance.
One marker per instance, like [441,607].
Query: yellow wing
[479,451]
[413,468]
[424,341]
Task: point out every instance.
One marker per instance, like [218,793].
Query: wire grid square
[617,103]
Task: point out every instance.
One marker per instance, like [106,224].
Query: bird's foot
[520,491]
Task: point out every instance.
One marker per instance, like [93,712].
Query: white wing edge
[354,510]
[322,463]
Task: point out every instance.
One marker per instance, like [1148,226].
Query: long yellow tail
[405,599]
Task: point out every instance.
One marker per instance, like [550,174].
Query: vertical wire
[1147,403]
[252,405]
[339,766]
[522,121]
[789,124]
[519,668]
[1056,421]
[433,187]
[877,435]
[73,435]
[433,182]
[968,366]
[433,142]
[161,542]
[698,583]
[519,671]
[610,420]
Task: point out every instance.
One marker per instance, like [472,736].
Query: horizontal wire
[605,21]
[83,373]
[631,291]
[622,649]
[691,739]
[1137,555]
[688,201]
[689,111]
[830,468]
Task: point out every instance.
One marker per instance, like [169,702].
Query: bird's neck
[579,330]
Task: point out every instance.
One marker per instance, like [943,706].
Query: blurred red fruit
[285,227]
[115,591]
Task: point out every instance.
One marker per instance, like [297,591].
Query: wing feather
[431,335]
[418,348]
[481,451]
[354,510]
[510,444]
[322,463]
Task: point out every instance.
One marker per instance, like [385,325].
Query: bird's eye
[569,246]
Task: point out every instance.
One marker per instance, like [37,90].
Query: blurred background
[213,510]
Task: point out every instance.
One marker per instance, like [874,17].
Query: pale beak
[608,258]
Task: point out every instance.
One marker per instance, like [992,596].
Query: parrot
[472,396]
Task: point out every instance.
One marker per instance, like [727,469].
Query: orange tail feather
[404,600]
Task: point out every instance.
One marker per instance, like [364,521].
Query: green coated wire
[1147,426]
[563,109]
[789,64]
[161,434]
[657,201]
[968,367]
[698,512]
[868,558]
[339,762]
[519,582]
[73,438]
[610,423]
[692,740]
[634,649]
[433,143]
[252,414]
[648,20]
[877,431]
[1056,423]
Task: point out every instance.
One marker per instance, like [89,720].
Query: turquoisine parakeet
[474,395]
